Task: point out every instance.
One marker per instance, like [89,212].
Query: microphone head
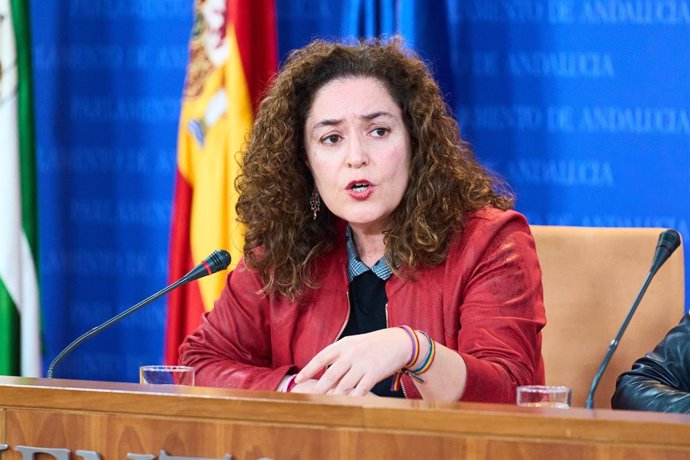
[218,260]
[669,240]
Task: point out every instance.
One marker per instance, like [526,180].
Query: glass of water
[544,396]
[166,375]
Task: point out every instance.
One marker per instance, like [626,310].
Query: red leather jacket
[485,301]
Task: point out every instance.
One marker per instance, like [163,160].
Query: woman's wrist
[413,341]
[428,351]
[421,358]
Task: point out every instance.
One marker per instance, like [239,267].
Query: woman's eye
[379,132]
[332,139]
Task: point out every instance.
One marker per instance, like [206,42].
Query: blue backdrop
[583,106]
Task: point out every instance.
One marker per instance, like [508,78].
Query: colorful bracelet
[291,384]
[415,345]
[429,359]
[423,367]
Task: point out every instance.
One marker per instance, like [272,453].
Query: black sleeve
[659,381]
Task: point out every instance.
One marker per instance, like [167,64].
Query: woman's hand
[356,363]
[308,387]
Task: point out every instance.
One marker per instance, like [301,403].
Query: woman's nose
[357,154]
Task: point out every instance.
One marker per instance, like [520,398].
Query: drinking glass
[166,375]
[544,396]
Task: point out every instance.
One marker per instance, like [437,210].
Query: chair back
[591,276]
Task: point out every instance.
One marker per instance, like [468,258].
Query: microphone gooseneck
[669,240]
[217,261]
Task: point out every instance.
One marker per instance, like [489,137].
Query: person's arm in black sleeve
[659,381]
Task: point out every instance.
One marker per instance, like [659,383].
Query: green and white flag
[19,301]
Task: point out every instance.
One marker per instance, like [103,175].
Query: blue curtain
[584,107]
[108,81]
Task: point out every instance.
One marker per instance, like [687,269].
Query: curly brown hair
[282,240]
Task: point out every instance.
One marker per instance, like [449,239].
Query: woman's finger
[330,379]
[318,362]
[348,381]
[363,387]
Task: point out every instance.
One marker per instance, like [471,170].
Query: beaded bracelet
[426,364]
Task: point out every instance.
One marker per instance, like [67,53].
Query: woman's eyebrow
[381,113]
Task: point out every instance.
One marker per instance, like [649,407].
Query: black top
[367,314]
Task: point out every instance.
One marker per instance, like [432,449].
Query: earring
[315,203]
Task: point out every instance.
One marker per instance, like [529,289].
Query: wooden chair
[591,277]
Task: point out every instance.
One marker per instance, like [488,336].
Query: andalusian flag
[19,311]
[233,55]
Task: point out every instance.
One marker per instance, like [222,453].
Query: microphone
[669,240]
[217,261]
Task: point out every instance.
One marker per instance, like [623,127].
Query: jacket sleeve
[502,311]
[659,381]
[232,345]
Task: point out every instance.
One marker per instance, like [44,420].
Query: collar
[356,267]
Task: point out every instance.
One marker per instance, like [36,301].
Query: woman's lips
[360,189]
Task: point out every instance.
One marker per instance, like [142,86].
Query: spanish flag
[232,58]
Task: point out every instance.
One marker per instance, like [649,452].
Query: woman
[380,257]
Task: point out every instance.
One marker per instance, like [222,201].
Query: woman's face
[358,150]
